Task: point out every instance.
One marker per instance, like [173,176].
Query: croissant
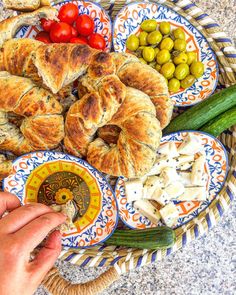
[42,125]
[5,167]
[135,151]
[10,26]
[140,76]
[22,5]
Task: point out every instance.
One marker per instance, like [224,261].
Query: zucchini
[200,114]
[220,123]
[160,237]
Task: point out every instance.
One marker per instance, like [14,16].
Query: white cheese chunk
[174,190]
[161,163]
[147,210]
[169,214]
[133,190]
[168,175]
[169,149]
[191,145]
[150,185]
[184,162]
[185,178]
[194,194]
[160,196]
[198,170]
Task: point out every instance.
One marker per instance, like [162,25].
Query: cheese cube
[169,149]
[169,214]
[168,175]
[147,210]
[133,190]
[198,170]
[194,194]
[191,145]
[174,190]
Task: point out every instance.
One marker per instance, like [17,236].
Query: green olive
[180,45]
[179,34]
[197,69]
[187,81]
[167,43]
[164,28]
[182,58]
[163,56]
[132,43]
[192,56]
[148,54]
[181,71]
[154,37]
[156,51]
[152,64]
[167,70]
[143,38]
[173,85]
[158,67]
[142,60]
[149,25]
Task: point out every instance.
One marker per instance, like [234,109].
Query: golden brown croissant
[42,126]
[135,151]
[140,76]
[5,167]
[10,26]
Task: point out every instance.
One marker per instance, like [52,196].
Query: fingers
[34,232]
[8,202]
[46,257]
[22,216]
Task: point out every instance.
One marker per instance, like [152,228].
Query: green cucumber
[198,115]
[220,123]
[161,237]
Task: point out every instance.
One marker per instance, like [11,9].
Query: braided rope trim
[129,258]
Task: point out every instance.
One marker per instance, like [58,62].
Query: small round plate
[51,177]
[128,22]
[216,168]
[103,24]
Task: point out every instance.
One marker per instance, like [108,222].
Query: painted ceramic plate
[103,24]
[52,177]
[128,22]
[216,168]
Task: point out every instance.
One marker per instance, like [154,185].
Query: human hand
[20,232]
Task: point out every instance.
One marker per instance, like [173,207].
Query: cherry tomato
[85,25]
[74,32]
[46,24]
[61,33]
[68,13]
[43,37]
[78,40]
[97,41]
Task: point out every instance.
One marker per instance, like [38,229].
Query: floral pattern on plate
[101,216]
[128,22]
[103,24]
[216,167]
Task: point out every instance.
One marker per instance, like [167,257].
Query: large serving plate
[128,22]
[216,168]
[102,21]
[52,177]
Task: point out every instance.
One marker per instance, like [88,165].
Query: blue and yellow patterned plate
[128,22]
[103,24]
[216,168]
[51,177]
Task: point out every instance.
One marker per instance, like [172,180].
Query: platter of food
[91,129]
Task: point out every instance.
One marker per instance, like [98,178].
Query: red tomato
[43,37]
[97,41]
[74,32]
[85,25]
[61,33]
[68,13]
[46,24]
[78,41]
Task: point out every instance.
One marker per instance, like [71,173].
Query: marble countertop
[207,265]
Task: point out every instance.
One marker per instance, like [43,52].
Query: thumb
[46,257]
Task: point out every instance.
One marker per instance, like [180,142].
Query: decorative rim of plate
[214,58]
[109,42]
[91,170]
[201,207]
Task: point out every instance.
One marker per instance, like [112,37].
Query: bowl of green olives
[169,43]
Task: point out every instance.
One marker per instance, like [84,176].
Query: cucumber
[160,237]
[200,114]
[220,123]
